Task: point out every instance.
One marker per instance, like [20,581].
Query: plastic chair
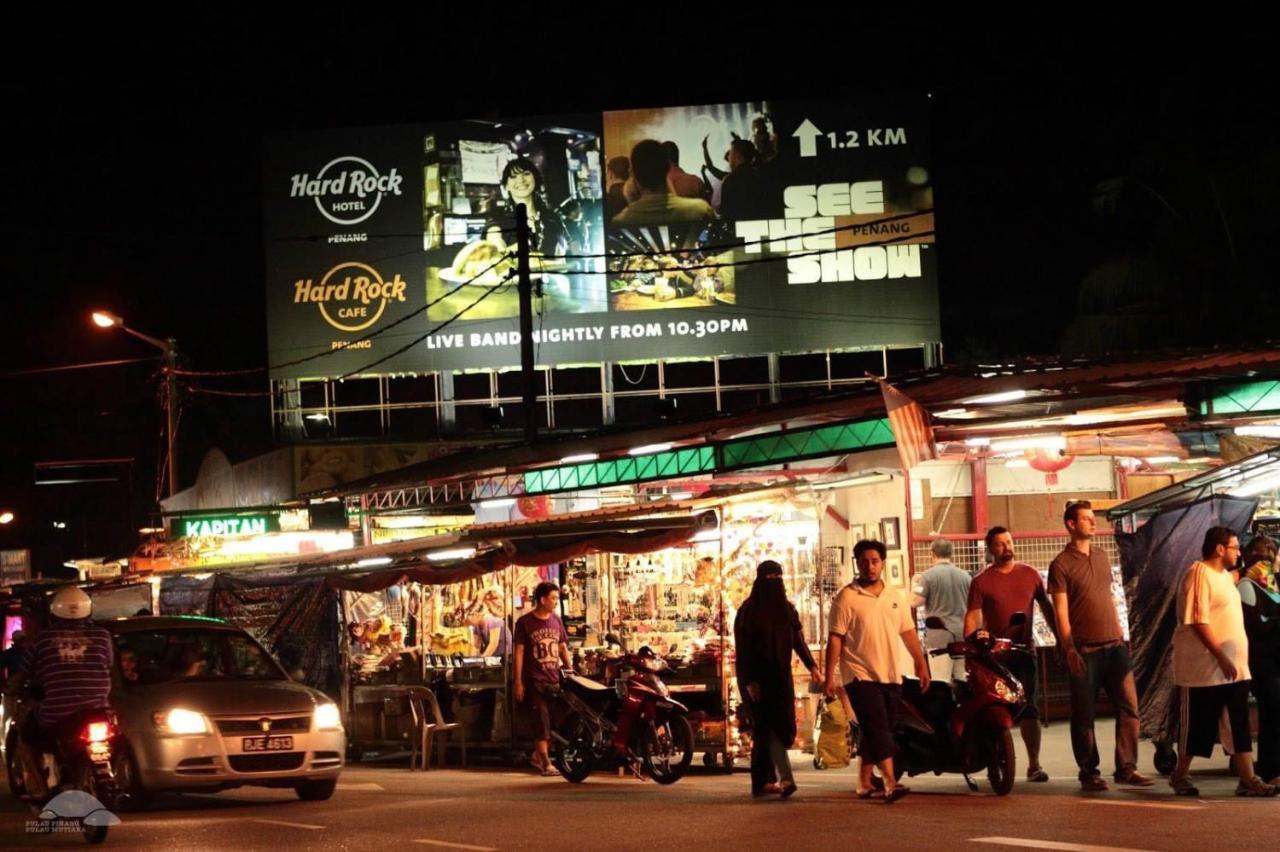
[428,719]
[420,739]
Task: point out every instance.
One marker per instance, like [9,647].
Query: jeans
[1111,669]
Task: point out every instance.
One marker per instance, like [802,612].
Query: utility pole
[524,286]
[171,409]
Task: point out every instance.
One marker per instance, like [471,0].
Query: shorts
[1208,712]
[876,706]
[1023,666]
[540,699]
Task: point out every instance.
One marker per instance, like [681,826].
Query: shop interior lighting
[681,495]
[1260,485]
[318,417]
[1258,431]
[579,458]
[1163,459]
[648,448]
[374,561]
[1017,463]
[1044,442]
[456,553]
[954,414]
[498,503]
[997,398]
[977,442]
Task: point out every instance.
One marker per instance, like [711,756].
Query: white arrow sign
[808,134]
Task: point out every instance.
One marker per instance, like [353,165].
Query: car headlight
[328,718]
[178,721]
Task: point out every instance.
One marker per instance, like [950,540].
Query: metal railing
[969,551]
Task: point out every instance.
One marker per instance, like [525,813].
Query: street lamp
[169,346]
[6,517]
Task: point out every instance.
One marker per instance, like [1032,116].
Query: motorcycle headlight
[181,722]
[1011,694]
[327,717]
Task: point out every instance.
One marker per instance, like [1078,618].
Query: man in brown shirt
[1089,630]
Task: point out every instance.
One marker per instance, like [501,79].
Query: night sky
[1100,188]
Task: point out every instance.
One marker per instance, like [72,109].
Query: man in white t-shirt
[1211,666]
[870,623]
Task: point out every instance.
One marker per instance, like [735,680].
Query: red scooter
[634,722]
[964,732]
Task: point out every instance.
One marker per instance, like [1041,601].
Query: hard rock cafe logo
[347,190]
[351,296]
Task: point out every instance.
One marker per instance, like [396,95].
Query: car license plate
[266,744]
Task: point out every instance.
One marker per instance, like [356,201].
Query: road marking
[1168,806]
[289,824]
[368,786]
[456,845]
[1031,843]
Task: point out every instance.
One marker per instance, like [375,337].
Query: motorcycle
[80,760]
[634,723]
[940,731]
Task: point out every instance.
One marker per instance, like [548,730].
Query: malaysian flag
[911,430]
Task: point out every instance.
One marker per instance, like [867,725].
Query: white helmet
[71,603]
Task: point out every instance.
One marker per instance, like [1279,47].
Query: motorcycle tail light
[97,732]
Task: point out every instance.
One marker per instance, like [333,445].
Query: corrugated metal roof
[1076,377]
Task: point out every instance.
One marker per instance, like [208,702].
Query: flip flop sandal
[895,794]
[871,793]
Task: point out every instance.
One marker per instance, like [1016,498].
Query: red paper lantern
[534,507]
[1048,464]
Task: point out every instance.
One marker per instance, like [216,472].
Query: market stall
[443,622]
[681,602]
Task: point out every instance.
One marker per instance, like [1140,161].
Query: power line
[35,371]
[377,333]
[603,302]
[486,294]
[757,242]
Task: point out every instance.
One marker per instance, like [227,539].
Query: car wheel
[130,794]
[316,791]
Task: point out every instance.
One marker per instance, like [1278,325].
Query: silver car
[203,707]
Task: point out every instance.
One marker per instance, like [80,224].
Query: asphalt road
[388,807]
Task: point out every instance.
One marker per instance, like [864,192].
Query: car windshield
[191,653]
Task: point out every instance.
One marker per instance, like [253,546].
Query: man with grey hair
[943,590]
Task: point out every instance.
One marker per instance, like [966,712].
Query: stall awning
[548,548]
[1247,477]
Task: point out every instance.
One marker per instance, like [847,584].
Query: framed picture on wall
[858,531]
[889,533]
[894,571]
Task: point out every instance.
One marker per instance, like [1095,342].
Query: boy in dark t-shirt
[541,645]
